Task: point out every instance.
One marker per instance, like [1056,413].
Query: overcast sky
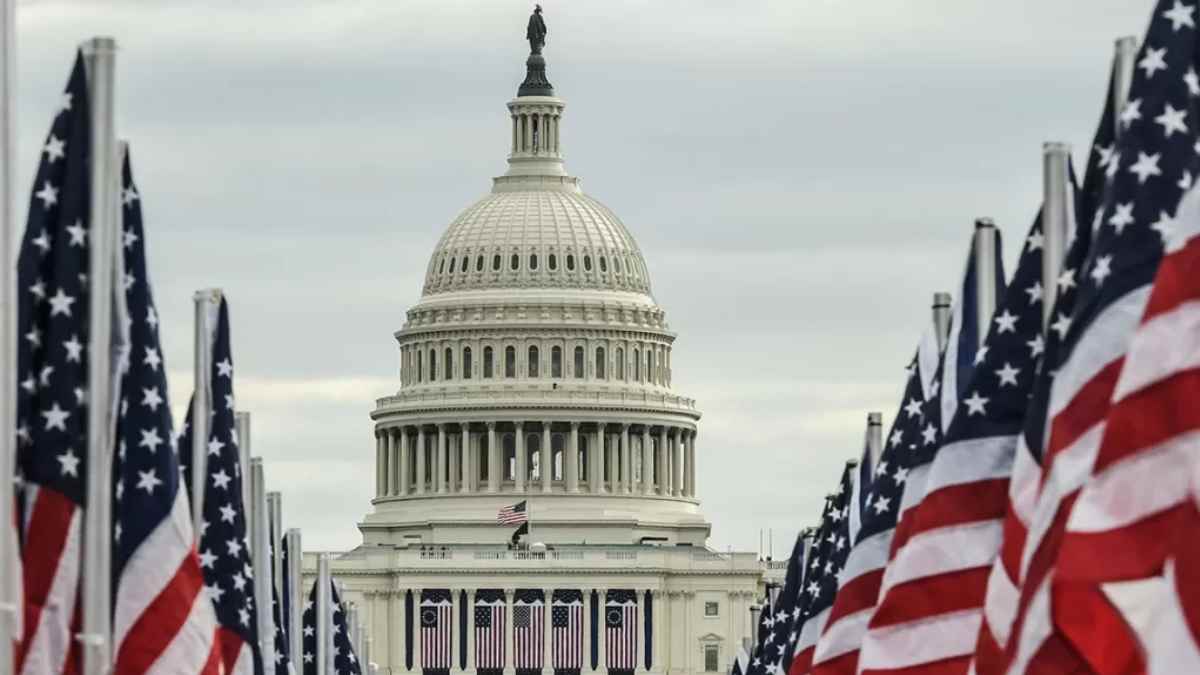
[800,174]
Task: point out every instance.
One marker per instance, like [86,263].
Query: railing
[509,393]
[601,556]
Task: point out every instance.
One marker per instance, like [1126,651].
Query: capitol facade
[536,367]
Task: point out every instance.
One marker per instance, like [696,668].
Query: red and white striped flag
[490,610]
[436,630]
[566,630]
[529,629]
[620,630]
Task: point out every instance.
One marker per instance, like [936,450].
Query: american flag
[279,658]
[766,620]
[345,660]
[162,619]
[529,629]
[436,630]
[932,594]
[825,567]
[490,610]
[1136,441]
[512,515]
[566,631]
[789,608]
[224,546]
[308,622]
[1001,596]
[862,571]
[1150,168]
[52,362]
[620,630]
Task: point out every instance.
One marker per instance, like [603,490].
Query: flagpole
[100,58]
[275,530]
[241,426]
[10,595]
[261,562]
[295,597]
[941,318]
[205,302]
[1057,218]
[1125,51]
[985,275]
[324,617]
[874,437]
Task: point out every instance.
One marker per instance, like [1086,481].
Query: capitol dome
[536,366]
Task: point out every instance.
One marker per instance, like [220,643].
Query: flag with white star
[52,369]
[224,545]
[345,660]
[766,620]
[789,596]
[161,615]
[966,495]
[308,642]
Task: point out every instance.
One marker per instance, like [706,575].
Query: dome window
[463,265]
[515,263]
[510,362]
[617,265]
[467,363]
[487,363]
[620,363]
[533,261]
[532,367]
[637,366]
[496,263]
[579,363]
[479,264]
[553,262]
[556,362]
[449,374]
[603,264]
[570,263]
[587,263]
[442,266]
[432,365]
[600,364]
[452,266]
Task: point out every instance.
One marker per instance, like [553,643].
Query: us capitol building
[536,367]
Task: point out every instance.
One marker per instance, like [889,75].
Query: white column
[647,461]
[587,631]
[439,467]
[691,463]
[402,440]
[470,635]
[394,634]
[521,459]
[421,478]
[455,637]
[380,474]
[509,668]
[454,455]
[546,460]
[596,460]
[393,445]
[664,476]
[626,459]
[572,460]
[546,658]
[494,470]
[662,624]
[677,480]
[416,620]
[610,451]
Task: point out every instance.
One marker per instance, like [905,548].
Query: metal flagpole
[296,594]
[10,575]
[275,525]
[206,303]
[875,436]
[985,275]
[1125,53]
[941,318]
[259,543]
[324,615]
[100,57]
[1057,219]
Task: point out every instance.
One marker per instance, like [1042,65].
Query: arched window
[463,266]
[603,264]
[442,266]
[587,263]
[487,362]
[553,262]
[467,363]
[420,366]
[533,261]
[515,262]
[452,266]
[600,369]
[578,362]
[637,366]
[510,362]
[449,365]
[620,363]
[479,264]
[532,367]
[649,366]
[570,263]
[496,263]
[432,365]
[556,362]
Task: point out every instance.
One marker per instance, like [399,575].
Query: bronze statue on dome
[535,32]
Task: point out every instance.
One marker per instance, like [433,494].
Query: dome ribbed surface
[537,238]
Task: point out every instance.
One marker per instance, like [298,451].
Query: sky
[801,176]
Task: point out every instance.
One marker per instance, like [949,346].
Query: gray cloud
[800,175]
